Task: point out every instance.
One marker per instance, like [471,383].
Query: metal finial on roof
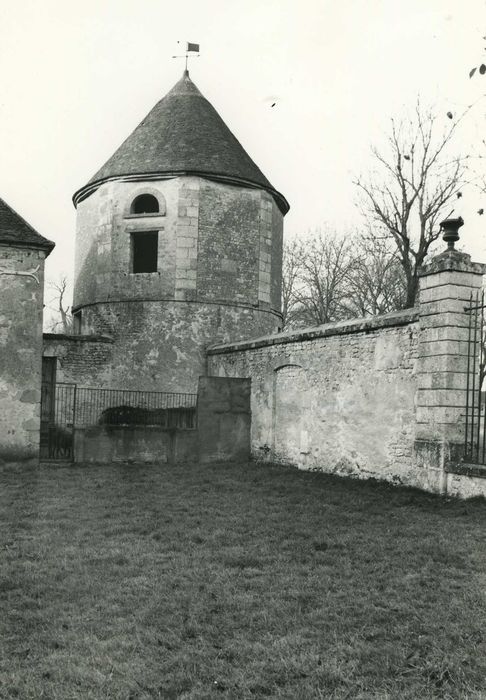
[190,48]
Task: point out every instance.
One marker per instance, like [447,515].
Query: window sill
[144,273]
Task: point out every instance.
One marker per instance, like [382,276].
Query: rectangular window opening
[77,323]
[144,251]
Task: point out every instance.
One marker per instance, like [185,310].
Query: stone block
[183,253]
[446,291]
[446,318]
[441,397]
[185,221]
[442,363]
[444,333]
[429,453]
[465,279]
[442,306]
[442,380]
[186,283]
[186,242]
[30,395]
[454,415]
[442,347]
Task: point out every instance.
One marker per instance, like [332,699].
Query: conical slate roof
[14,230]
[182,135]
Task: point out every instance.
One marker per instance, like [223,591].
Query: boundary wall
[381,397]
[337,398]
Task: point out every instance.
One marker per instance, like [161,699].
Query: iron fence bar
[473,397]
[478,351]
[124,406]
[74,420]
[467,375]
[481,359]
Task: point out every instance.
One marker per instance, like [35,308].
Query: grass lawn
[237,581]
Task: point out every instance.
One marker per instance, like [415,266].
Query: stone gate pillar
[446,284]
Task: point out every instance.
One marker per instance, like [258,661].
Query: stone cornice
[452,261]
[361,325]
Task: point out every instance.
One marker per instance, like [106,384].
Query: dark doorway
[48,388]
[57,415]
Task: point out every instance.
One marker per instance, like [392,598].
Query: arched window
[145,204]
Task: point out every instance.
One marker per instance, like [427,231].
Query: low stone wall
[223,419]
[337,398]
[222,432]
[106,444]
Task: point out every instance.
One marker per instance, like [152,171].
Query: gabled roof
[182,135]
[14,230]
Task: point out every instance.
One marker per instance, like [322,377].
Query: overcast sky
[76,78]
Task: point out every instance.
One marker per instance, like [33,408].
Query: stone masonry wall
[103,243]
[216,243]
[337,398]
[218,277]
[21,303]
[82,360]
[240,246]
[161,346]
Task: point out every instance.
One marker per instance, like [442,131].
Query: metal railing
[57,421]
[475,427]
[117,407]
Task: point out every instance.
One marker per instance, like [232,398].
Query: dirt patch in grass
[237,581]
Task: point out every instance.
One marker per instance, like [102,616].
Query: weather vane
[190,48]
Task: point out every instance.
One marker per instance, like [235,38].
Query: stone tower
[178,245]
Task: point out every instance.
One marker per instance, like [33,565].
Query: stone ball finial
[451,227]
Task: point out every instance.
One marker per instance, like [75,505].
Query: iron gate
[475,428]
[66,406]
[58,405]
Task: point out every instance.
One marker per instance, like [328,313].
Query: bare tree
[315,279]
[376,282]
[412,188]
[61,317]
[329,277]
[290,279]
[323,275]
